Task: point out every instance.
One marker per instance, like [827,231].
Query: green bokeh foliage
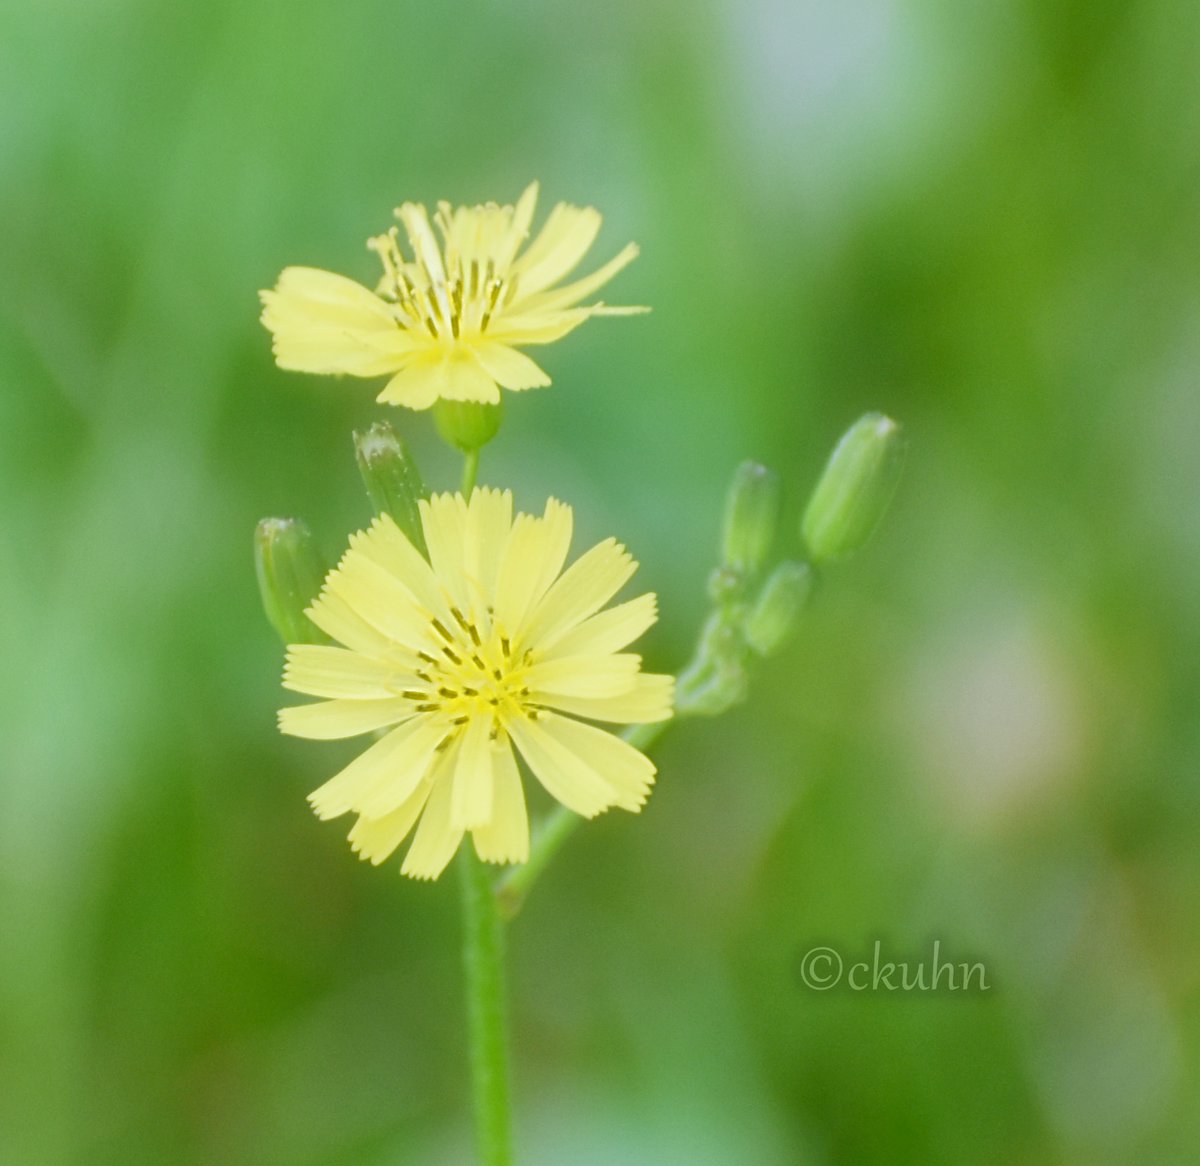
[980,220]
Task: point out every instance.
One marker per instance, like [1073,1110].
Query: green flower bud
[290,573]
[467,425]
[391,477]
[774,615]
[855,489]
[751,515]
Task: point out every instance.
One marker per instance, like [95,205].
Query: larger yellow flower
[486,646]
[447,321]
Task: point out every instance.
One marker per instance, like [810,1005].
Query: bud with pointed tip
[290,573]
[393,482]
[751,515]
[775,612]
[855,489]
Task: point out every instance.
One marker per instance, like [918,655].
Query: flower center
[466,674]
[458,296]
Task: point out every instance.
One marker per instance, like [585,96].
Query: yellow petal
[532,559]
[380,598]
[509,368]
[471,803]
[418,384]
[624,767]
[386,544]
[396,764]
[518,230]
[410,760]
[323,670]
[536,327]
[465,379]
[376,838]
[560,245]
[506,837]
[593,675]
[420,235]
[650,699]
[436,839]
[565,774]
[326,323]
[489,522]
[606,631]
[331,719]
[556,299]
[589,583]
[444,522]
[331,614]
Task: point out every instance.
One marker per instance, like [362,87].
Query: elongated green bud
[776,611]
[751,515]
[290,573]
[391,477]
[855,489]
[467,425]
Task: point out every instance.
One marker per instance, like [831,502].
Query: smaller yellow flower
[486,646]
[446,321]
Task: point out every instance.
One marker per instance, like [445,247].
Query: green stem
[487,1022]
[483,965]
[470,471]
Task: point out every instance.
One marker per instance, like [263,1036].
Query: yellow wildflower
[488,645]
[446,322]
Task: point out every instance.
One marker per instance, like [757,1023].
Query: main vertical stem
[483,965]
[487,1021]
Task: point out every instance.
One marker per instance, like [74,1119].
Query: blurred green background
[981,219]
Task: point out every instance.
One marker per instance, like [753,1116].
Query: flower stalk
[487,1012]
